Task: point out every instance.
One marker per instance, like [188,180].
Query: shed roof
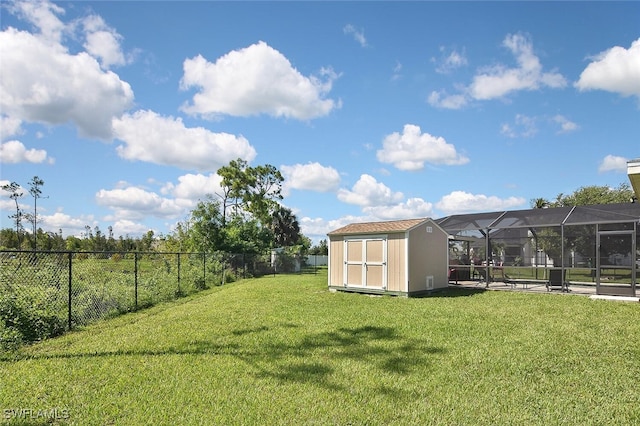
[378,227]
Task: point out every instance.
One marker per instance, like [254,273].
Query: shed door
[353,262]
[375,263]
[366,262]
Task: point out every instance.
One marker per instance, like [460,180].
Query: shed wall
[427,257]
[336,261]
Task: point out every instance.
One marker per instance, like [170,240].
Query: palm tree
[285,227]
[540,203]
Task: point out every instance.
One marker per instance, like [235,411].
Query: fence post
[69,300]
[179,291]
[224,269]
[135,274]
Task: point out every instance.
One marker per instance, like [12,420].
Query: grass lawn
[285,350]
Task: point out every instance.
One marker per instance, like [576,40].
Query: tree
[15,192]
[206,226]
[594,194]
[540,203]
[321,249]
[9,239]
[265,192]
[99,240]
[285,227]
[245,236]
[253,190]
[34,189]
[146,242]
[235,183]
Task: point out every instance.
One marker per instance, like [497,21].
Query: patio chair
[482,271]
[557,278]
[453,275]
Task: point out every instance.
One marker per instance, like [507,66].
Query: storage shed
[401,257]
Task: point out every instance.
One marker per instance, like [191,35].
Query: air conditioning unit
[429,282]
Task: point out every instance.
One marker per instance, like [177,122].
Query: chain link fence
[44,294]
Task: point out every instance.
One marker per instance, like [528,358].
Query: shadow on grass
[453,291]
[192,348]
[311,358]
[367,347]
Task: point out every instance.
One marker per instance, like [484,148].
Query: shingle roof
[377,227]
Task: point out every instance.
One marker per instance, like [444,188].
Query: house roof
[378,227]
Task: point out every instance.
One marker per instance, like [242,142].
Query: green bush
[200,284]
[10,338]
[24,320]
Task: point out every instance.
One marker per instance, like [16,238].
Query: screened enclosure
[583,245]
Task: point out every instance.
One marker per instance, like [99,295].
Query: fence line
[45,293]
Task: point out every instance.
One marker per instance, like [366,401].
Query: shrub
[10,338]
[200,284]
[26,321]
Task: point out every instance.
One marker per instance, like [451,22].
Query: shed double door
[365,262]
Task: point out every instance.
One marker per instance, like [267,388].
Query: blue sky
[371,110]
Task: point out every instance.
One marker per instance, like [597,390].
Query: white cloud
[131,204]
[367,191]
[612,163]
[507,130]
[397,72]
[451,61]
[14,152]
[523,127]
[615,70]
[441,99]
[43,15]
[103,42]
[192,187]
[165,140]
[317,228]
[9,126]
[358,35]
[463,202]
[411,149]
[256,80]
[76,226]
[566,125]
[311,176]
[135,203]
[498,81]
[128,227]
[69,225]
[413,207]
[73,89]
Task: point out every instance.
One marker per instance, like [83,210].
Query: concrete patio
[575,288]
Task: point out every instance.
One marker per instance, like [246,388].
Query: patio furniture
[557,278]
